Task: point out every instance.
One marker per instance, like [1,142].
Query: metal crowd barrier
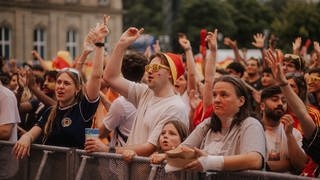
[51,162]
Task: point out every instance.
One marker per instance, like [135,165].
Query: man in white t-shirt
[156,101]
[9,118]
[121,113]
[284,143]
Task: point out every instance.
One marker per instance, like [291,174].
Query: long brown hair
[53,113]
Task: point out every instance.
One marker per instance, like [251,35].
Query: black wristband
[99,44]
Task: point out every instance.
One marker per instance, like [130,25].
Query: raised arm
[296,45]
[31,82]
[295,103]
[210,69]
[185,44]
[233,45]
[41,61]
[97,37]
[112,71]
[259,43]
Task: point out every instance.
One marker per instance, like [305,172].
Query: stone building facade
[52,25]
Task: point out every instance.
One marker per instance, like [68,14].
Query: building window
[39,41]
[71,1]
[72,43]
[103,2]
[5,39]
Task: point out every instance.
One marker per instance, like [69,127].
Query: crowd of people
[254,113]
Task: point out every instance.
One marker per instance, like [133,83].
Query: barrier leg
[82,166]
[42,164]
[153,171]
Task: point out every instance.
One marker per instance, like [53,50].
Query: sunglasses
[73,71]
[313,79]
[155,67]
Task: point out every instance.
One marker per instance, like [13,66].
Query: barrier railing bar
[113,155]
[42,164]
[257,173]
[71,165]
[82,166]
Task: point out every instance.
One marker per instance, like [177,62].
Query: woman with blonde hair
[64,124]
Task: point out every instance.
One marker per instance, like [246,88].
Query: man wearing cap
[156,102]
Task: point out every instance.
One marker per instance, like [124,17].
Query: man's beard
[274,114]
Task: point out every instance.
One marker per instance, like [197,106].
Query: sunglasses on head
[155,67]
[313,79]
[73,71]
[293,57]
[293,74]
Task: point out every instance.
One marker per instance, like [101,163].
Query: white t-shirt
[121,115]
[152,113]
[186,100]
[277,140]
[9,114]
[248,137]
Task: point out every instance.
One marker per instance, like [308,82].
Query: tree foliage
[234,18]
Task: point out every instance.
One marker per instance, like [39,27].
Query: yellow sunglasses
[313,79]
[155,67]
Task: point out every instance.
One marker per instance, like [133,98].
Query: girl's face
[13,83]
[225,100]
[65,90]
[169,137]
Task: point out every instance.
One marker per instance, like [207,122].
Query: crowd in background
[253,113]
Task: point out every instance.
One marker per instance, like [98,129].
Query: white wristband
[211,162]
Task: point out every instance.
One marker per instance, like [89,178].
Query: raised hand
[102,29]
[275,63]
[296,45]
[97,34]
[258,40]
[129,36]
[184,42]
[228,42]
[212,40]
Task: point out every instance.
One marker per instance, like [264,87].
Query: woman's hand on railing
[157,158]
[22,147]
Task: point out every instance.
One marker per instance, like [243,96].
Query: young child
[172,134]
